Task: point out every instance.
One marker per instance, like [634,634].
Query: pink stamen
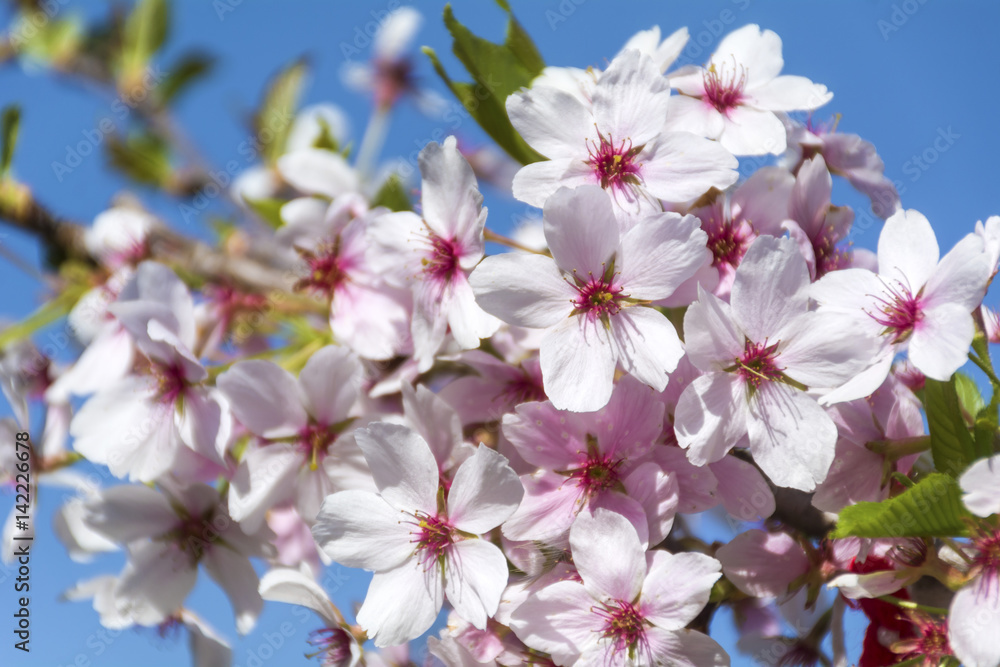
[625,626]
[327,268]
[724,88]
[615,166]
[433,536]
[899,311]
[757,365]
[334,646]
[597,297]
[442,262]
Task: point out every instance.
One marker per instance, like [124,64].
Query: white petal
[475,577]
[360,529]
[907,249]
[403,466]
[973,619]
[608,554]
[264,478]
[756,50]
[129,512]
[284,584]
[154,583]
[789,93]
[468,322]
[961,277]
[751,131]
[234,573]
[569,625]
[939,345]
[449,194]
[677,587]
[402,603]
[824,349]
[331,381]
[793,440]
[484,492]
[581,230]
[659,254]
[553,122]
[763,564]
[631,99]
[396,32]
[771,287]
[710,417]
[521,289]
[679,166]
[694,115]
[534,183]
[745,493]
[686,648]
[318,171]
[264,397]
[981,484]
[578,365]
[646,345]
[712,339]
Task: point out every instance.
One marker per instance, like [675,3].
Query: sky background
[905,75]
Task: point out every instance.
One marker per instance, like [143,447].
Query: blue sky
[917,78]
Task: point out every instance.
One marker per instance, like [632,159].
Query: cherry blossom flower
[981,484]
[139,426]
[591,460]
[421,540]
[846,155]
[336,645]
[304,451]
[759,355]
[366,313]
[914,302]
[814,223]
[592,295]
[763,564]
[118,236]
[168,535]
[616,142]
[435,253]
[630,607]
[734,98]
[975,610]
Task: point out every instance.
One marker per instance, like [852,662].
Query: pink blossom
[592,295]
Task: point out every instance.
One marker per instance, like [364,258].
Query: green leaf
[931,508]
[268,209]
[47,39]
[326,140]
[9,124]
[393,195]
[143,34]
[951,444]
[142,157]
[47,314]
[273,121]
[969,398]
[188,69]
[497,70]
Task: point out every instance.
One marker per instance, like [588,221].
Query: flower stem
[490,235]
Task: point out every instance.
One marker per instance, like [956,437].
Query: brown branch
[66,239]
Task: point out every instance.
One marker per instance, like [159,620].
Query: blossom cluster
[528,438]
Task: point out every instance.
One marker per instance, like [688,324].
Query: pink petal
[484,492]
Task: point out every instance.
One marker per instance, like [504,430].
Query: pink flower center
[327,269]
[170,381]
[615,166]
[334,646]
[724,87]
[598,473]
[441,263]
[195,535]
[597,297]
[757,364]
[899,310]
[314,440]
[729,242]
[433,537]
[931,644]
[988,557]
[624,626]
[522,389]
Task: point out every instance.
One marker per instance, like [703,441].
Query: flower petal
[360,529]
[484,492]
[402,603]
[474,579]
[578,365]
[521,289]
[608,554]
[403,466]
[581,230]
[677,587]
[264,397]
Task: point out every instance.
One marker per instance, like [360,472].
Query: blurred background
[917,78]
